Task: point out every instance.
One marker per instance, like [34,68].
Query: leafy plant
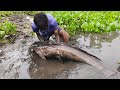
[7,28]
[80,21]
[88,21]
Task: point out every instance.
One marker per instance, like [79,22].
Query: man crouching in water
[45,26]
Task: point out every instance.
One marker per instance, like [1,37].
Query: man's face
[44,27]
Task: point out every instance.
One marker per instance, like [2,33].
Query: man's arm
[57,37]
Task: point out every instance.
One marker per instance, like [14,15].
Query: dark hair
[41,20]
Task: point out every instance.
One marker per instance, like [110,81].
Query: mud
[18,62]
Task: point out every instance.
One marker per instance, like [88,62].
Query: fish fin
[60,59]
[43,57]
[36,50]
[75,47]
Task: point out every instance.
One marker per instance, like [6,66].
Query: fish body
[75,54]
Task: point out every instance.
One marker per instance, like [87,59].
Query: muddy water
[18,61]
[105,46]
[15,60]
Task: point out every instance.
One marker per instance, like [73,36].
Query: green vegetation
[77,21]
[88,21]
[6,28]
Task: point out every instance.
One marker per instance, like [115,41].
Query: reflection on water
[104,46]
[96,40]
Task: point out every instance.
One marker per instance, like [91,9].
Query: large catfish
[73,53]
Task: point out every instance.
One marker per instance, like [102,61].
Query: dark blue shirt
[52,26]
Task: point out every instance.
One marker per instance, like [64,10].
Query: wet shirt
[52,26]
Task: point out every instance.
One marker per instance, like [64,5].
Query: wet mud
[17,61]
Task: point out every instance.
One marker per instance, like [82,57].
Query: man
[45,26]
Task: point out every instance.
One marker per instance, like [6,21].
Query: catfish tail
[109,73]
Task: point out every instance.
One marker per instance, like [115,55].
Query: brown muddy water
[17,61]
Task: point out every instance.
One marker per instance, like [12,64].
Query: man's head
[41,21]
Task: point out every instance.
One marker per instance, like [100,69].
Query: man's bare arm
[57,37]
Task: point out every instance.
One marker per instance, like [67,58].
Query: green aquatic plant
[80,21]
[87,21]
[7,28]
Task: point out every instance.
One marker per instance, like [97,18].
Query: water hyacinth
[77,21]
